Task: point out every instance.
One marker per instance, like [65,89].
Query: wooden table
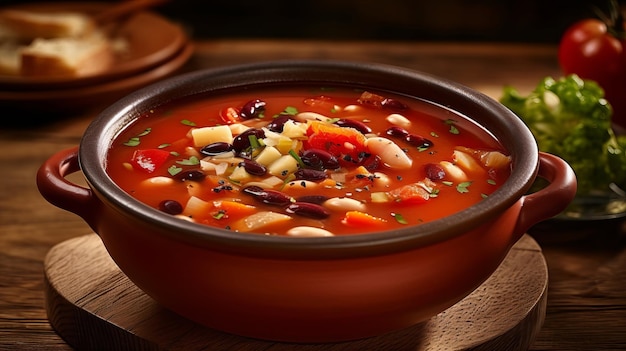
[587,290]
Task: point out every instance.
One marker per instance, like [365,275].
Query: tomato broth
[307,162]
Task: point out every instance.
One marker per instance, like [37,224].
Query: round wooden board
[92,305]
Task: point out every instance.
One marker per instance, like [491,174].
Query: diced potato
[495,159]
[240,175]
[268,155]
[284,144]
[196,206]
[221,168]
[379,197]
[207,166]
[208,135]
[466,162]
[283,166]
[453,172]
[238,128]
[259,220]
[294,130]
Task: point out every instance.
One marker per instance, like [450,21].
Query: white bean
[389,152]
[306,231]
[398,120]
[301,184]
[160,180]
[381,180]
[344,204]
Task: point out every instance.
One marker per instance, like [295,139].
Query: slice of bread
[30,25]
[66,56]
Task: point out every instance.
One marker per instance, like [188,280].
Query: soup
[307,162]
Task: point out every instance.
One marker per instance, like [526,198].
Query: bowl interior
[494,117]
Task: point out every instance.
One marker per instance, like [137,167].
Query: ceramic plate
[149,40]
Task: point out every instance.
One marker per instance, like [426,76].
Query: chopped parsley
[463,187]
[452,123]
[174,170]
[399,218]
[191,161]
[134,141]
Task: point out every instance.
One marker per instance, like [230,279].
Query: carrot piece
[411,193]
[362,219]
[234,208]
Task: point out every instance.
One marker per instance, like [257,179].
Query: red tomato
[148,160]
[589,49]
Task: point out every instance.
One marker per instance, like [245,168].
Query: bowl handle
[61,192]
[551,200]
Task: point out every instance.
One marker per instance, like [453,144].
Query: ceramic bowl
[309,289]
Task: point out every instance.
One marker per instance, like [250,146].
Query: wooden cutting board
[92,305]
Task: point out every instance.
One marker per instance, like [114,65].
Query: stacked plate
[153,48]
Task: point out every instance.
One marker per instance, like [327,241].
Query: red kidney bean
[393,104]
[216,148]
[172,207]
[351,123]
[313,175]
[308,209]
[314,199]
[191,174]
[319,159]
[242,141]
[252,109]
[434,171]
[397,132]
[277,124]
[254,167]
[268,196]
[418,141]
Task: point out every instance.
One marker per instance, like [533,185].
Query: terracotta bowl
[309,289]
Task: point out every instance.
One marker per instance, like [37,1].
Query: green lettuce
[570,117]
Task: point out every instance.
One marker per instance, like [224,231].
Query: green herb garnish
[399,218]
[452,123]
[191,161]
[297,158]
[463,187]
[134,141]
[174,170]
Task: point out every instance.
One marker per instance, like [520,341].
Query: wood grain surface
[93,305]
[586,307]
